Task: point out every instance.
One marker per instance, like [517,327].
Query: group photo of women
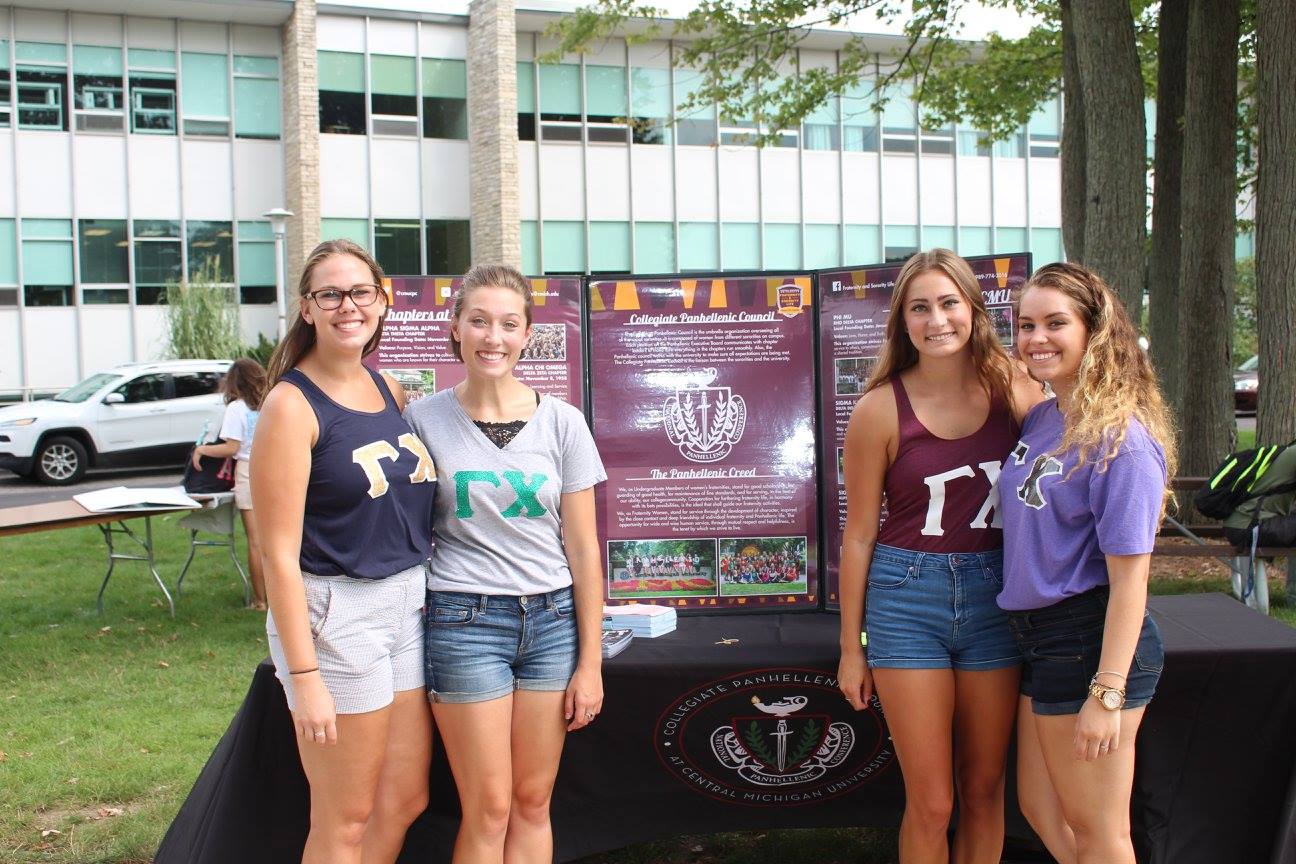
[435,562]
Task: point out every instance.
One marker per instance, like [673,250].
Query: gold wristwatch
[1111,698]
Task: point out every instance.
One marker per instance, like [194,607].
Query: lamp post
[279,225]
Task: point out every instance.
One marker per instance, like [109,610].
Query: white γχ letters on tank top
[370,456]
[936,498]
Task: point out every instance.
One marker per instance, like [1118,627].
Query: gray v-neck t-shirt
[496,521]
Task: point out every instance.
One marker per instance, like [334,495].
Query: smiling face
[491,330]
[937,317]
[1051,336]
[348,327]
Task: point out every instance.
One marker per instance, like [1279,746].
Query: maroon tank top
[942,495]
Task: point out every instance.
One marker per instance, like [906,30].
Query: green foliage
[202,317]
[261,351]
[1246,333]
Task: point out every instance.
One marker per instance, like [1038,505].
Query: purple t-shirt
[1057,529]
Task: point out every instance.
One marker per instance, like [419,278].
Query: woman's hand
[315,718]
[584,698]
[854,678]
[197,457]
[1097,731]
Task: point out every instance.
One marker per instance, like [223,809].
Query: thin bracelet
[304,671]
[1117,674]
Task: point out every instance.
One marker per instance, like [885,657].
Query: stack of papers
[644,620]
[119,499]
[615,641]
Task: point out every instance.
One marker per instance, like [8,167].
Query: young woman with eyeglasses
[343,492]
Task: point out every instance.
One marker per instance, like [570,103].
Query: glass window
[445,100]
[1244,246]
[187,384]
[560,102]
[782,247]
[157,258]
[146,388]
[972,142]
[821,131]
[97,83]
[939,235]
[42,85]
[654,247]
[859,120]
[1045,122]
[530,247]
[393,89]
[204,93]
[1012,148]
[699,246]
[1046,246]
[863,244]
[8,253]
[939,141]
[901,242]
[104,251]
[449,246]
[256,97]
[4,83]
[211,250]
[899,119]
[355,230]
[974,240]
[695,126]
[651,106]
[606,107]
[152,91]
[564,247]
[256,263]
[822,246]
[396,246]
[1010,240]
[47,262]
[341,93]
[609,247]
[741,245]
[526,102]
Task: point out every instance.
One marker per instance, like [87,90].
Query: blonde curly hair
[1115,381]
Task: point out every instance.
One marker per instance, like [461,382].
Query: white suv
[142,413]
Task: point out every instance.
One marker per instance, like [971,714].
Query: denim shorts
[484,646]
[1061,645]
[927,610]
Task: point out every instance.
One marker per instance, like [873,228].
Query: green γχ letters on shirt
[526,504]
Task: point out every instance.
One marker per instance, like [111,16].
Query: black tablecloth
[734,723]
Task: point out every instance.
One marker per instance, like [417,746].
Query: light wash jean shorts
[368,636]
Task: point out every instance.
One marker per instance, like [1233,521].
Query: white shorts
[242,485]
[368,636]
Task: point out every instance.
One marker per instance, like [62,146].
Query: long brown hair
[898,351]
[300,338]
[1115,381]
[488,276]
[246,380]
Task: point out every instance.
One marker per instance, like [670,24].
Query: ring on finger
[589,715]
[319,733]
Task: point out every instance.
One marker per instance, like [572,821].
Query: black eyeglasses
[328,299]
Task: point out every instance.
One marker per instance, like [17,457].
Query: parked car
[137,414]
[1246,386]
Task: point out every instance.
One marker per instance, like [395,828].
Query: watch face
[1111,700]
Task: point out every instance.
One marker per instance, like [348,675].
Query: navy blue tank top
[371,490]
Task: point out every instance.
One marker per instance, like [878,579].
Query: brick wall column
[301,141]
[492,132]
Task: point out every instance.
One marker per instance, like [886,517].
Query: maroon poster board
[854,305]
[703,410]
[415,348]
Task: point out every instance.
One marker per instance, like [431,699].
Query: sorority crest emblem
[805,745]
[789,299]
[704,422]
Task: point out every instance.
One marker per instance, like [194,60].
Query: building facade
[141,141]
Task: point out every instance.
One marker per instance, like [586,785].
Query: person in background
[937,418]
[1083,495]
[515,589]
[244,386]
[343,493]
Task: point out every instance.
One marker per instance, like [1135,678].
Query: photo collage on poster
[854,305]
[703,413]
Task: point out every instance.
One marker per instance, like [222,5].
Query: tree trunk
[1167,170]
[1073,144]
[1115,145]
[1276,220]
[1209,225]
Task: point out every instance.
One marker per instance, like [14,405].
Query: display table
[734,723]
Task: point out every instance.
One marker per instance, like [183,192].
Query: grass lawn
[738,589]
[106,721]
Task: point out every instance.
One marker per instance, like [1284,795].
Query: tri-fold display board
[719,406]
